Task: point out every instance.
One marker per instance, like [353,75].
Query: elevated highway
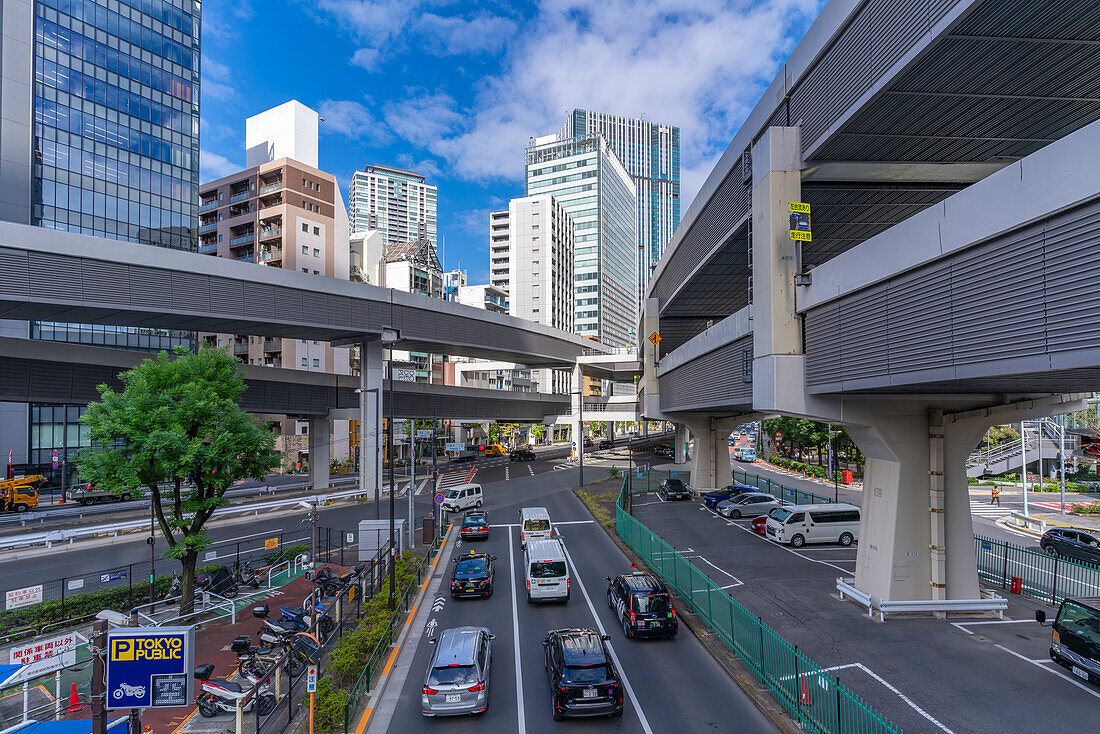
[948,151]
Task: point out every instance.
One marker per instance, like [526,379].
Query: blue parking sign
[150,667]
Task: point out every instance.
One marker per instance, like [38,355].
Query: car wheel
[617,713]
[22,508]
[477,505]
[87,502]
[798,541]
[557,716]
[846,539]
[626,630]
[265,704]
[1051,550]
[735,514]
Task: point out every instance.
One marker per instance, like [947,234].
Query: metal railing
[1049,578]
[204,228]
[268,188]
[271,232]
[244,239]
[815,698]
[208,206]
[240,196]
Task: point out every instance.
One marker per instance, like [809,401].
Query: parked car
[583,681]
[664,450]
[524,454]
[643,605]
[750,504]
[1072,543]
[801,524]
[475,526]
[457,680]
[472,575]
[674,489]
[605,444]
[712,498]
[759,525]
[588,443]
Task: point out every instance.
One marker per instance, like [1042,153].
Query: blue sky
[454,90]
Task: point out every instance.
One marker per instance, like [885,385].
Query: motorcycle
[254,662]
[219,581]
[222,695]
[293,620]
[248,576]
[330,584]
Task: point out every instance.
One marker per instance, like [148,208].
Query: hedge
[819,472]
[80,606]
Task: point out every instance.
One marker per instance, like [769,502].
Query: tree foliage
[177,431]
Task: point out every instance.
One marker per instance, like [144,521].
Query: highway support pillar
[320,446]
[679,444]
[370,417]
[710,463]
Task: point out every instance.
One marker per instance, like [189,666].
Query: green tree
[538,430]
[177,417]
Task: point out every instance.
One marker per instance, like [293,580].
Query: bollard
[240,716]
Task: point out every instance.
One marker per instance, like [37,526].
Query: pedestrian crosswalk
[983,508]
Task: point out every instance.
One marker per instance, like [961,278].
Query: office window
[304,362]
[316,252]
[317,231]
[316,363]
[305,227]
[305,270]
[305,250]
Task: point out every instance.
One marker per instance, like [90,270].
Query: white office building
[586,178]
[499,248]
[396,202]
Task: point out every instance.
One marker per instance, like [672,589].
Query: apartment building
[396,202]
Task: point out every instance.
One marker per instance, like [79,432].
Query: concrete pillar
[649,354]
[576,430]
[611,431]
[460,433]
[710,463]
[320,445]
[679,443]
[916,535]
[370,416]
[777,376]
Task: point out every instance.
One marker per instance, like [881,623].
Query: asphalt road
[673,684]
[974,675]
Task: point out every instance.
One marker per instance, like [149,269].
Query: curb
[759,694]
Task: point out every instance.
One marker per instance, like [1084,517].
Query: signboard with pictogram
[655,338]
[800,221]
[150,667]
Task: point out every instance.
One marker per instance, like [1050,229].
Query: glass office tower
[100,122]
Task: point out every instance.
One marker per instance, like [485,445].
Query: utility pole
[152,546]
[412,476]
[435,478]
[393,544]
[99,677]
[1023,464]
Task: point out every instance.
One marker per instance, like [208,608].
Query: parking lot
[966,674]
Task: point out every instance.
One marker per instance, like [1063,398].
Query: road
[673,684]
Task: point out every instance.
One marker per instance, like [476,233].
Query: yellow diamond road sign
[655,338]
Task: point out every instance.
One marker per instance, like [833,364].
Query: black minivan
[643,605]
[1075,636]
[1071,543]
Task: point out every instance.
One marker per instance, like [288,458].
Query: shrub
[614,473]
[328,709]
[80,606]
[1086,508]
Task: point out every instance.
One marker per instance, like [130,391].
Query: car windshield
[547,569]
[453,675]
[474,522]
[674,484]
[1079,620]
[584,674]
[451,494]
[780,514]
[471,568]
[536,524]
[648,603]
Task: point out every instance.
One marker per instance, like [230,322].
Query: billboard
[150,667]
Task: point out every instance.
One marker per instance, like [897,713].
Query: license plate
[469,586]
[654,624]
[589,692]
[453,698]
[1080,672]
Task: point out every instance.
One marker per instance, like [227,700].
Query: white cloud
[366,58]
[215,80]
[213,166]
[698,64]
[352,120]
[483,33]
[422,117]
[428,167]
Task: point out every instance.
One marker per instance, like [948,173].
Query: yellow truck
[493,449]
[21,493]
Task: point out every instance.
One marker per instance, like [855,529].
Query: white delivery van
[546,570]
[462,497]
[534,523]
[801,524]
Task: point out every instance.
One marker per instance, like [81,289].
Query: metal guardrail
[996,604]
[1048,578]
[49,537]
[847,589]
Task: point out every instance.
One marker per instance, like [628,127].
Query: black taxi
[643,605]
[472,575]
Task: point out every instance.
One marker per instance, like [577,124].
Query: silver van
[462,497]
[801,524]
[457,681]
[534,524]
[546,571]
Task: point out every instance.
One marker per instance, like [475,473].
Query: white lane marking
[515,637]
[1051,671]
[531,469]
[659,496]
[739,581]
[881,680]
[507,473]
[610,648]
[963,625]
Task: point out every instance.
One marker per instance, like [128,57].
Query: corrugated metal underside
[1018,313]
[714,382]
[1007,78]
[50,287]
[43,381]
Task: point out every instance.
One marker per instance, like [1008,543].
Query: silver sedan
[751,504]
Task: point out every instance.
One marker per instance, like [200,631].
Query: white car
[751,504]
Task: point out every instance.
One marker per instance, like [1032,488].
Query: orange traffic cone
[74,698]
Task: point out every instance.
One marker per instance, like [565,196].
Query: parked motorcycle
[219,581]
[222,695]
[254,662]
[248,575]
[331,584]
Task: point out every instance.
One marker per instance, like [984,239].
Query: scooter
[330,584]
[222,695]
[248,576]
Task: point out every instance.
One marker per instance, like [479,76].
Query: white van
[462,497]
[801,524]
[546,570]
[534,523]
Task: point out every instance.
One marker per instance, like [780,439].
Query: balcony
[273,253]
[246,259]
[268,188]
[210,249]
[242,196]
[273,345]
[204,228]
[208,206]
[240,348]
[244,239]
[271,232]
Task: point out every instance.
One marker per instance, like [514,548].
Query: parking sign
[150,667]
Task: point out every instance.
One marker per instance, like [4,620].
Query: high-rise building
[414,267]
[650,152]
[586,178]
[395,202]
[284,213]
[498,248]
[99,134]
[539,274]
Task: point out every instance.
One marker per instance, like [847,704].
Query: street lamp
[389,338]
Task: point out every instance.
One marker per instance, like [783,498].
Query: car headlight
[1055,641]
